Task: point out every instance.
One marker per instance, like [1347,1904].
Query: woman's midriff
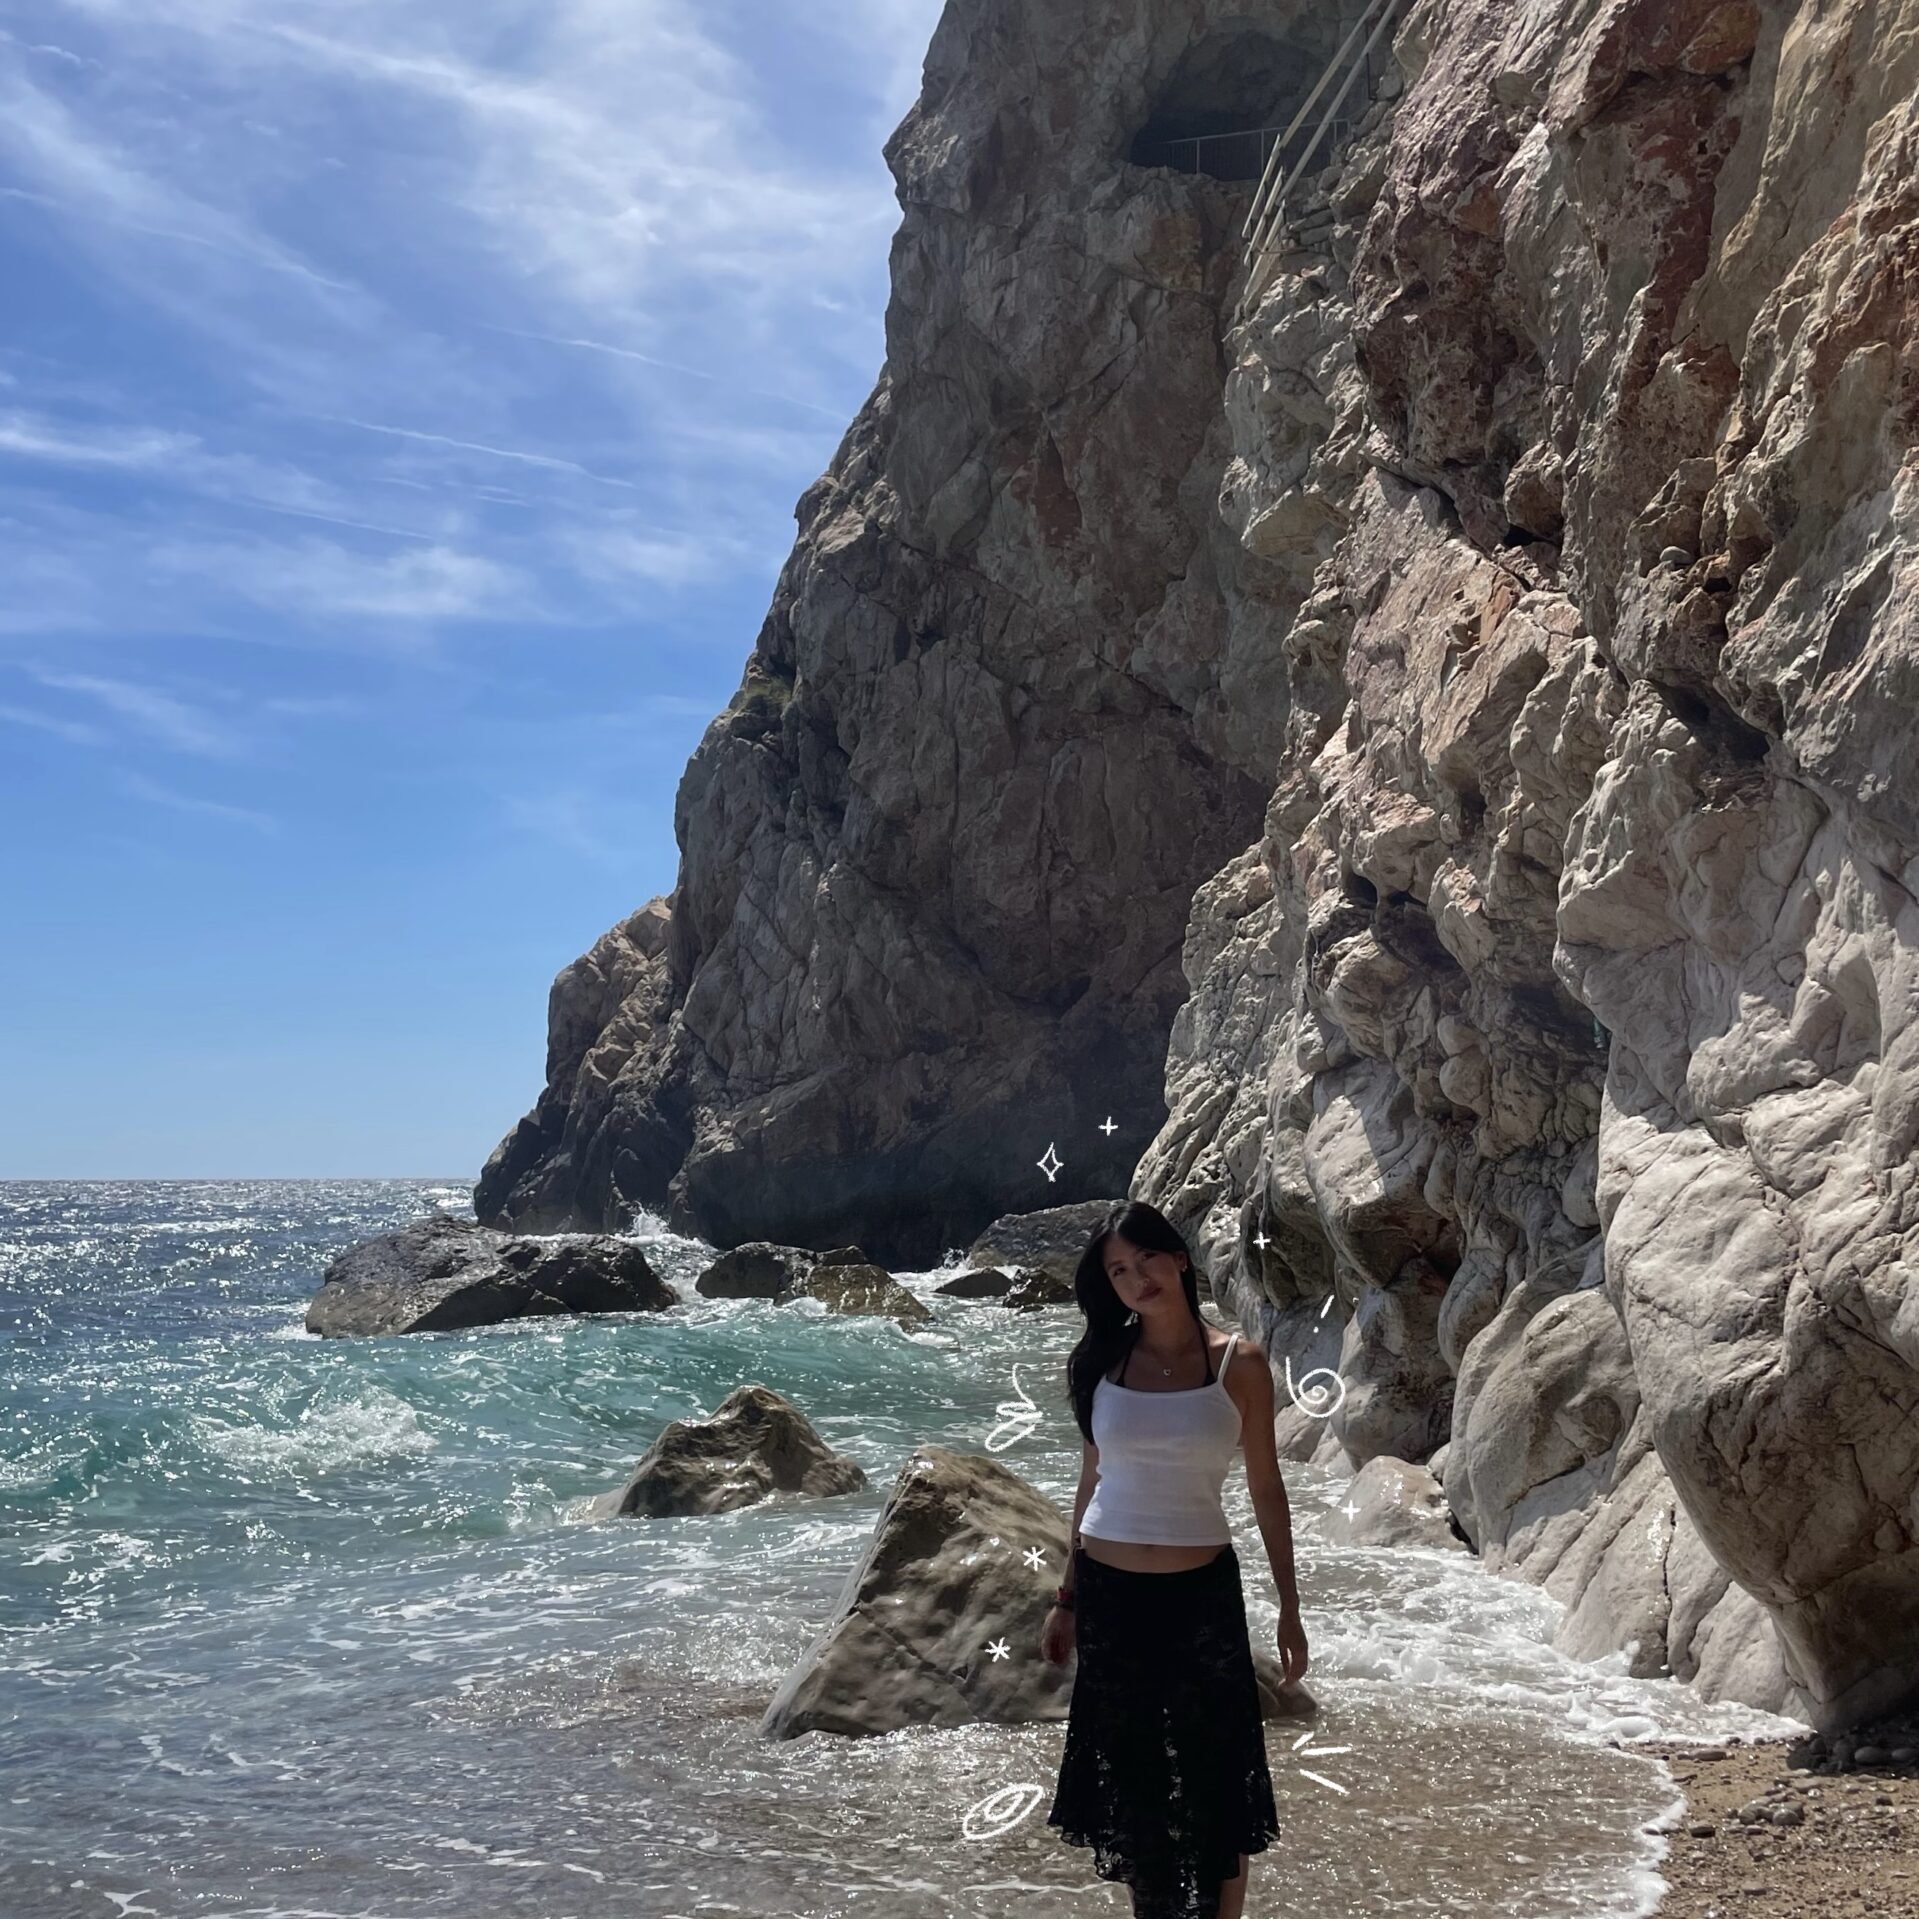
[1136,1556]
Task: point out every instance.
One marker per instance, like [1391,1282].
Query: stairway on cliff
[1292,209]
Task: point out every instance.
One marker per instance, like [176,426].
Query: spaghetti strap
[1227,1360]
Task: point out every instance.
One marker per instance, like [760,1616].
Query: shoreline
[1792,1828]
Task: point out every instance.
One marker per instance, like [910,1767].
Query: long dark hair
[1108,1331]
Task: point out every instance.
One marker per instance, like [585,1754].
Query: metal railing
[1240,155]
[1289,157]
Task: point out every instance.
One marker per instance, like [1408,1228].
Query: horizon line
[226,1179]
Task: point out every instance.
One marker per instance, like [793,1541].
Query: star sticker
[1260,1240]
[1000,1649]
[1349,1509]
[1109,1128]
[1035,1556]
[1051,1170]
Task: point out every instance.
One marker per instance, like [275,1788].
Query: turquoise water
[316,1627]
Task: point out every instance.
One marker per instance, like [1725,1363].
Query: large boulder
[757,1444]
[441,1273]
[939,1623]
[1394,1503]
[964,1558]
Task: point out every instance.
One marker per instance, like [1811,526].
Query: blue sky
[401,414]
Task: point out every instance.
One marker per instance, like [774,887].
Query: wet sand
[1806,1828]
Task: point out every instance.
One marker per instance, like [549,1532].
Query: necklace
[1166,1372]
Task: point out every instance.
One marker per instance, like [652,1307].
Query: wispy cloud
[577,821]
[30,437]
[730,381]
[78,172]
[320,579]
[619,553]
[76,731]
[182,460]
[140,787]
[379,346]
[549,460]
[162,717]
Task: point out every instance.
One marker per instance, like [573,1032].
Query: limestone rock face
[591,1132]
[441,1273]
[1459,713]
[937,854]
[1575,974]
[757,1444]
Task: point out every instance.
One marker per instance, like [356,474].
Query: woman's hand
[1056,1636]
[1292,1646]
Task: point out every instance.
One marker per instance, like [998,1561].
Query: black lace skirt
[1164,1769]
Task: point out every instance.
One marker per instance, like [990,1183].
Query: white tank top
[1162,1462]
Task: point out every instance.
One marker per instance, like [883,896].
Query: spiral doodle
[1317,1395]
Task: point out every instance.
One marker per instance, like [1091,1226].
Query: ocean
[317,1629]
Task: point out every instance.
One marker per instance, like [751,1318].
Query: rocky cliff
[1002,718]
[1454,711]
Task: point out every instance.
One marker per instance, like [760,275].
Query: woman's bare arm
[1088,1478]
[1254,1373]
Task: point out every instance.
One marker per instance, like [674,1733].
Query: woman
[1164,1769]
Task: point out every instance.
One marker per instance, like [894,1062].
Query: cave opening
[1235,90]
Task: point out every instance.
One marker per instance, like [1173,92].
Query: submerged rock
[1036,1287]
[760,1269]
[755,1445]
[441,1273]
[764,1269]
[843,1280]
[979,1282]
[862,1289]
